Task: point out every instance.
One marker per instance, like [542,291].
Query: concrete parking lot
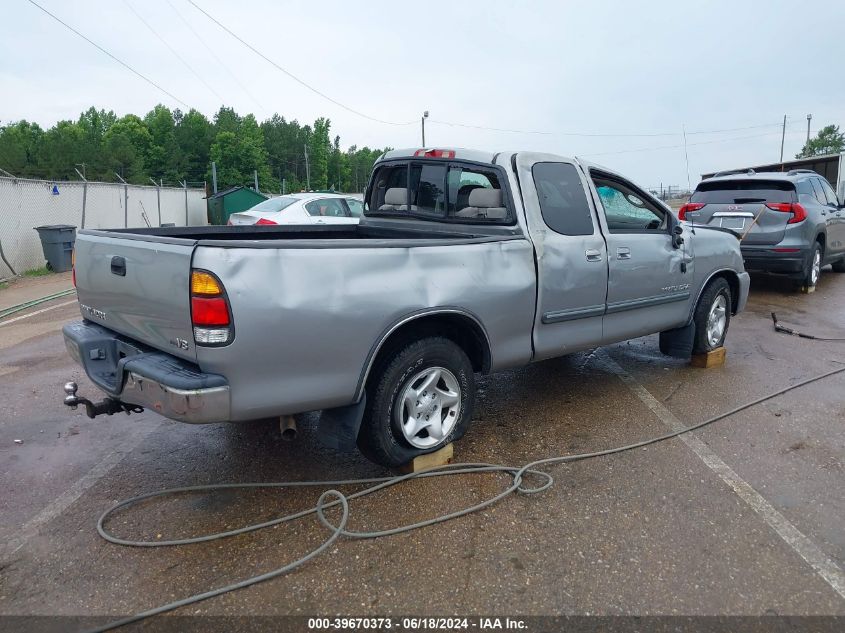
[744,517]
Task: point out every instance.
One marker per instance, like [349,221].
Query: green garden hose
[34,302]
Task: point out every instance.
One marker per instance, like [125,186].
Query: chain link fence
[25,204]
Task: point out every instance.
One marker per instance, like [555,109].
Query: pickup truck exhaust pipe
[287,425]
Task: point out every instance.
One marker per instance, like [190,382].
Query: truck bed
[299,295]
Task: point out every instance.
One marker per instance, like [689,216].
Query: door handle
[623,252]
[118,266]
[592,255]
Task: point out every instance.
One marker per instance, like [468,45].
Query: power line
[103,50]
[174,51]
[291,75]
[214,55]
[601,134]
[720,140]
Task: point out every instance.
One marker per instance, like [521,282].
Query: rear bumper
[142,376]
[769,260]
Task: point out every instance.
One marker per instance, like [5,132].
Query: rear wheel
[813,268]
[712,316]
[420,400]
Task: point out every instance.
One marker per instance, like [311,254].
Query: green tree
[238,153]
[62,149]
[95,123]
[162,159]
[829,140]
[318,153]
[126,145]
[19,148]
[194,135]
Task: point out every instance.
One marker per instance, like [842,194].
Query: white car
[302,208]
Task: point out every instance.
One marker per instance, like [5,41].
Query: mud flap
[338,428]
[678,343]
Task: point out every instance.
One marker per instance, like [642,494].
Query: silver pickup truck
[465,262]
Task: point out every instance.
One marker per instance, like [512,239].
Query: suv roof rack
[793,172]
[733,172]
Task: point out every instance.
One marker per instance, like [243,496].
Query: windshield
[274,205]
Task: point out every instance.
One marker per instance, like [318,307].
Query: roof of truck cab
[480,156]
[461,153]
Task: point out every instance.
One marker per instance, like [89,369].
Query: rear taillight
[211,316]
[797,211]
[265,222]
[689,206]
[229,222]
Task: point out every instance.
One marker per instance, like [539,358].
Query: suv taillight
[797,211]
[689,206]
[211,316]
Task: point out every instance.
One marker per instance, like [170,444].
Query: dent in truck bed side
[308,318]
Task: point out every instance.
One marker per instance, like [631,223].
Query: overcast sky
[562,68]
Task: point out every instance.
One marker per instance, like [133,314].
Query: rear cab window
[440,190]
[743,191]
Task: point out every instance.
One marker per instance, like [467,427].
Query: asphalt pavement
[743,518]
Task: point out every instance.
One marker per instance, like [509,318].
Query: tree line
[173,146]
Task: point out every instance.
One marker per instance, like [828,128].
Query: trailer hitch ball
[70,399]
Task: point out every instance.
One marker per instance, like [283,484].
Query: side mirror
[677,240]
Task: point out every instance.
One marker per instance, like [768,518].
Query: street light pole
[422,121]
[809,118]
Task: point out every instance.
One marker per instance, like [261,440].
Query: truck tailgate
[138,288]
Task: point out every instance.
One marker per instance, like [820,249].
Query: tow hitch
[107,406]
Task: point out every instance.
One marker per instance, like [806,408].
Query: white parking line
[825,567]
[63,501]
[32,314]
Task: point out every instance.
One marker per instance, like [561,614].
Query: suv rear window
[740,191]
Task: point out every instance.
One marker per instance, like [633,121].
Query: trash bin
[57,241]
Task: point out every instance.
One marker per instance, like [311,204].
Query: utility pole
[255,176]
[84,193]
[422,121]
[686,155]
[158,196]
[125,200]
[782,139]
[809,118]
[213,177]
[307,170]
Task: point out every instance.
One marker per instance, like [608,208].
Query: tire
[714,303]
[839,267]
[391,403]
[812,270]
